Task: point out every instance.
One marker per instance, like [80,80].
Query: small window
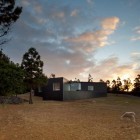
[90,88]
[56,86]
[39,89]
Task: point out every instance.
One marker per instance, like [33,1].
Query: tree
[78,80]
[3,57]
[52,75]
[137,83]
[108,85]
[101,80]
[127,84]
[11,76]
[114,87]
[90,79]
[8,15]
[33,68]
[118,84]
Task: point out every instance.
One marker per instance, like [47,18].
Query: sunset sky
[76,38]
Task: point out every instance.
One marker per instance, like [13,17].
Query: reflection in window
[90,88]
[39,89]
[56,86]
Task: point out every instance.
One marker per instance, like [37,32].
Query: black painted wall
[77,95]
[100,90]
[49,94]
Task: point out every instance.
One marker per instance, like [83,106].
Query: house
[61,89]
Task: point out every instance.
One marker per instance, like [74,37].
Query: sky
[76,38]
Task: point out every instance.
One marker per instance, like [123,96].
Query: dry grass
[91,119]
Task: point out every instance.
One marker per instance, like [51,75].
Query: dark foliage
[11,76]
[3,57]
[8,15]
[33,68]
[117,87]
[137,84]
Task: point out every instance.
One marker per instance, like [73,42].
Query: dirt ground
[90,119]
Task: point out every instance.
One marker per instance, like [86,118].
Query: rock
[11,100]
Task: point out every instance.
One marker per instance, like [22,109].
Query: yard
[90,119]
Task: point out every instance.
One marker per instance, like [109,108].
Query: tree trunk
[30,97]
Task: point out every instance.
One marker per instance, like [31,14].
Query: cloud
[55,42]
[98,37]
[25,3]
[60,14]
[74,13]
[137,34]
[110,24]
[38,9]
[90,1]
[136,38]
[135,58]
[67,40]
[109,69]
[137,29]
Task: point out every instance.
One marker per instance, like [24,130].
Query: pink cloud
[99,37]
[110,24]
[109,69]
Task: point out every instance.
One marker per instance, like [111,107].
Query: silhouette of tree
[90,79]
[118,84]
[78,80]
[127,84]
[101,80]
[137,83]
[33,67]
[52,75]
[3,57]
[114,86]
[8,15]
[108,86]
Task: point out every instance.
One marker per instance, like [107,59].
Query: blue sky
[80,37]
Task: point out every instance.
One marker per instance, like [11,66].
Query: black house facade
[61,89]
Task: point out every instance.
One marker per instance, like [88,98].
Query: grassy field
[90,119]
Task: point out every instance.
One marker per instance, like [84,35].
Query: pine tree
[8,15]
[33,68]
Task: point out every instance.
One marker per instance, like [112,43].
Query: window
[56,86]
[75,86]
[39,89]
[90,88]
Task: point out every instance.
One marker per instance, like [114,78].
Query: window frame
[56,86]
[90,88]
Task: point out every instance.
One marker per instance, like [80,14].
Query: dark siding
[49,94]
[100,89]
[77,95]
[84,85]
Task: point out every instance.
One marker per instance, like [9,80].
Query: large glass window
[56,86]
[75,86]
[90,88]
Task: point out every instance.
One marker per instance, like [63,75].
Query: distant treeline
[119,86]
[125,86]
